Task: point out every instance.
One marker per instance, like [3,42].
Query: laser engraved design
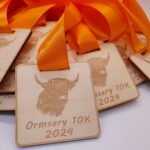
[5,42]
[98,70]
[25,54]
[53,99]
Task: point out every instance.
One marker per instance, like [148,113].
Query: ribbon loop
[82,24]
[53,52]
[4,25]
[116,23]
[85,40]
[142,25]
[72,16]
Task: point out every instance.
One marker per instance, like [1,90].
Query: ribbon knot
[82,23]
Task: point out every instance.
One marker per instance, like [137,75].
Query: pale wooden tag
[10,45]
[112,82]
[142,61]
[126,51]
[55,106]
[71,55]
[8,83]
[28,53]
[7,102]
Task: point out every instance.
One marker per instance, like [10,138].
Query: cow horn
[75,80]
[39,82]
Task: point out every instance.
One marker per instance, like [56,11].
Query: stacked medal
[62,62]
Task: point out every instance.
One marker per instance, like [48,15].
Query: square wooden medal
[111,80]
[126,50]
[10,45]
[55,106]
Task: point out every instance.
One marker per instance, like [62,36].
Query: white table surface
[126,127]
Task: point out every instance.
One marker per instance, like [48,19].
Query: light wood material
[126,51]
[55,106]
[8,83]
[7,102]
[111,80]
[10,45]
[29,51]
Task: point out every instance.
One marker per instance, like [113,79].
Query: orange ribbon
[23,17]
[85,22]
[4,25]
[82,24]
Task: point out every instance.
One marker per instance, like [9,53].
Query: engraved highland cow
[98,70]
[54,97]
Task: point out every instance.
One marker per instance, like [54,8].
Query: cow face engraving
[98,70]
[5,42]
[54,97]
